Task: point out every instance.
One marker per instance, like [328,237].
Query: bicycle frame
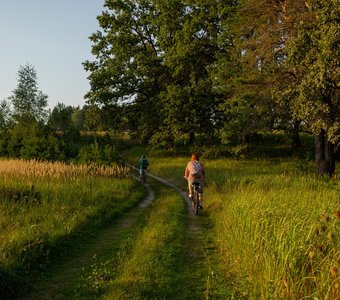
[143,176]
[197,190]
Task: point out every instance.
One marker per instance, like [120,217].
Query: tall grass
[43,205]
[146,265]
[34,169]
[278,234]
[276,225]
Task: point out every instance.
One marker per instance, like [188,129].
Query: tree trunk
[246,138]
[170,143]
[191,137]
[296,142]
[324,155]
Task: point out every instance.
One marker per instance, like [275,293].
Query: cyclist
[143,165]
[195,172]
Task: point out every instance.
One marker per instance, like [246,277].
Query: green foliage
[242,118]
[98,153]
[27,100]
[125,55]
[5,114]
[49,148]
[276,224]
[4,137]
[93,118]
[190,105]
[158,56]
[77,119]
[314,53]
[31,142]
[60,118]
[44,223]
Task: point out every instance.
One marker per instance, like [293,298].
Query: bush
[98,154]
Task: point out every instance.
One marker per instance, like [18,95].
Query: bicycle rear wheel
[196,201]
[143,176]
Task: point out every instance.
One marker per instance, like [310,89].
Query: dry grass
[42,169]
[44,203]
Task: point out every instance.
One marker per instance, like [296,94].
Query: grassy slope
[165,259]
[269,229]
[160,252]
[276,225]
[35,233]
[66,280]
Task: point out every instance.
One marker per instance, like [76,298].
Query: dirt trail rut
[70,269]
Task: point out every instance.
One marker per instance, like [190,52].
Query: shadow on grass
[15,279]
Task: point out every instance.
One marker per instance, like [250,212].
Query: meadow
[275,224]
[148,263]
[269,228]
[46,207]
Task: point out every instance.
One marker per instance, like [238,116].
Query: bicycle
[196,193]
[143,176]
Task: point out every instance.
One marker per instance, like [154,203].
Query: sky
[53,37]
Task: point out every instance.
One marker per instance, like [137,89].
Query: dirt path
[196,251]
[62,276]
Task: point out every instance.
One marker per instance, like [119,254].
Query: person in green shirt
[143,165]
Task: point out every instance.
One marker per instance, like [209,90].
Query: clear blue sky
[51,35]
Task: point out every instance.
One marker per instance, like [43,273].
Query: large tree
[192,48]
[294,47]
[156,57]
[260,36]
[28,114]
[313,58]
[29,103]
[128,69]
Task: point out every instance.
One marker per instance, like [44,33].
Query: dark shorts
[198,181]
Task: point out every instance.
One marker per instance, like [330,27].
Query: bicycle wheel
[143,177]
[196,200]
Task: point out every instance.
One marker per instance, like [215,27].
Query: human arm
[187,172]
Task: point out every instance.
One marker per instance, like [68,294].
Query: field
[276,225]
[269,229]
[46,207]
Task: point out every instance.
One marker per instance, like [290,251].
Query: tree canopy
[27,100]
[221,69]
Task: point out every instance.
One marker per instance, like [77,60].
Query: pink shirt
[189,170]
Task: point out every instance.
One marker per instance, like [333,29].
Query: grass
[159,260]
[45,207]
[272,232]
[275,225]
[167,256]
[149,269]
[269,230]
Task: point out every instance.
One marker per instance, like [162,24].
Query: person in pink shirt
[194,172]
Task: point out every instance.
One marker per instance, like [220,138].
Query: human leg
[190,188]
[142,173]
